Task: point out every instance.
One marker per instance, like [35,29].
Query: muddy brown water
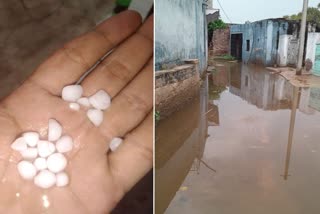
[250,143]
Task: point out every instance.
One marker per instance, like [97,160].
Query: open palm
[98,178]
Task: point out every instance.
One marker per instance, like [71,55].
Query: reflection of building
[314,101]
[180,143]
[222,77]
[265,90]
[213,115]
[304,101]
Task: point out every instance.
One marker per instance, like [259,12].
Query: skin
[98,178]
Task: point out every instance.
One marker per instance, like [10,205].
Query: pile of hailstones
[43,160]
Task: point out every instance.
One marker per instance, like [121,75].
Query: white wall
[283,50]
[181,31]
[313,39]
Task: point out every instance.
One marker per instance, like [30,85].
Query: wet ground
[248,144]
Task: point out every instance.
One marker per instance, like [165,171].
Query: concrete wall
[181,32]
[263,39]
[313,39]
[283,50]
[293,50]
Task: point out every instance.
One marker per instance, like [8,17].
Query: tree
[313,15]
[212,26]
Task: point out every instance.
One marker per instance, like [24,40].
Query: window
[246,81]
[248,45]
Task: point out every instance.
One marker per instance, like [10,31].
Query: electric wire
[224,11]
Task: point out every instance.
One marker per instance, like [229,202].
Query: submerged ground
[229,151]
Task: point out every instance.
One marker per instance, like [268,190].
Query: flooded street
[249,144]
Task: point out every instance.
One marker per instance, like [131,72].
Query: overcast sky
[240,11]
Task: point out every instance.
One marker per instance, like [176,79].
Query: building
[213,15]
[272,42]
[264,42]
[312,49]
[180,52]
[181,32]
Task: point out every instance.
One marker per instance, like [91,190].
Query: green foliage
[226,57]
[157,116]
[313,15]
[212,26]
[124,3]
[217,24]
[215,91]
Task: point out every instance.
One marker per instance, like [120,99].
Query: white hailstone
[31,138]
[54,130]
[29,153]
[56,162]
[84,101]
[45,179]
[52,147]
[72,93]
[62,179]
[64,144]
[19,144]
[74,106]
[115,143]
[100,100]
[40,163]
[45,148]
[27,170]
[95,116]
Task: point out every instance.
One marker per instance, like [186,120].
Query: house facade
[274,42]
[181,52]
[268,42]
[181,32]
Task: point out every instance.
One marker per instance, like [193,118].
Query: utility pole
[302,37]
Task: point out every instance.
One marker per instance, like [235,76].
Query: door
[236,46]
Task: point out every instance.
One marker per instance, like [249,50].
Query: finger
[123,64]
[130,106]
[134,158]
[70,62]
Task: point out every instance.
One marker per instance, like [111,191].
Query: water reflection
[180,143]
[228,149]
[291,131]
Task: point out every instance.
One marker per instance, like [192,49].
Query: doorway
[236,46]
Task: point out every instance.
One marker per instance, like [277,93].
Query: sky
[240,11]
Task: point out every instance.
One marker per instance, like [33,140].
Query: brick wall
[175,87]
[220,41]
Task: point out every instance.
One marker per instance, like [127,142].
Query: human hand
[97,180]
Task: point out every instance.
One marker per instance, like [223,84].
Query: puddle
[248,144]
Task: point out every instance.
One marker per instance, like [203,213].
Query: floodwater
[249,144]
